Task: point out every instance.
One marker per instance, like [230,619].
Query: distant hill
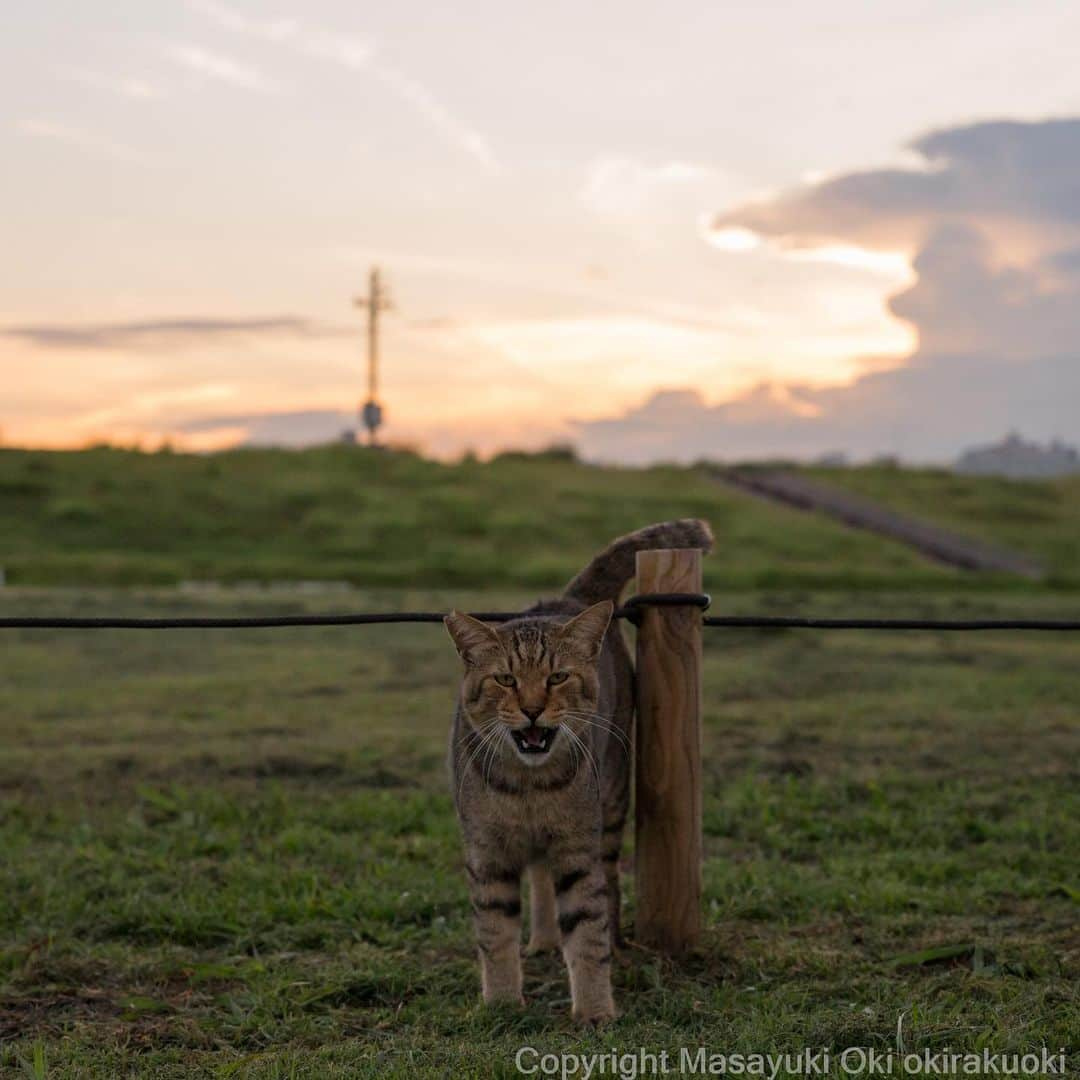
[106,517]
[1040,518]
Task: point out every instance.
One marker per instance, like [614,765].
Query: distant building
[835,459]
[1014,457]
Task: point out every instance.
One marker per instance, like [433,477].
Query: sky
[658,231]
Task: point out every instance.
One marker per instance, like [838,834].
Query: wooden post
[668,846]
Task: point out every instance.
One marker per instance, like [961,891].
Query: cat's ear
[474,639]
[584,633]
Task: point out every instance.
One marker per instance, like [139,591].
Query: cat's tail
[606,576]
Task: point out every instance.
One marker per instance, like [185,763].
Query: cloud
[733,238]
[84,140]
[300,427]
[228,18]
[963,303]
[893,264]
[123,85]
[591,291]
[1018,174]
[357,54]
[346,49]
[994,221]
[438,115]
[220,68]
[618,186]
[922,412]
[155,404]
[165,333]
[736,239]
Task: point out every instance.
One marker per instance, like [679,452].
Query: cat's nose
[532,714]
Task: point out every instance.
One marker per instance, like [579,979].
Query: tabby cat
[540,766]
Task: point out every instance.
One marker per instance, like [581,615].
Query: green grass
[113,517]
[234,854]
[1040,518]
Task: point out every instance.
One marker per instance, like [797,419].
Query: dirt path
[933,541]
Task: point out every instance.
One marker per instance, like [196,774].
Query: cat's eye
[557,677]
[505,679]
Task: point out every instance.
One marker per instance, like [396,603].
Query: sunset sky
[656,230]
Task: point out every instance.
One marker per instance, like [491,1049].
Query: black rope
[799,622]
[229,622]
[631,611]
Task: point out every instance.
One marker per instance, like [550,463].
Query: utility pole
[377,300]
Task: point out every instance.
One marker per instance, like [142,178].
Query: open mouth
[533,739]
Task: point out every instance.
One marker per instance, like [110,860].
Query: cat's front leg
[495,892]
[581,894]
[543,921]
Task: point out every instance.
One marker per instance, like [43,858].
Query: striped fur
[559,679]
[606,576]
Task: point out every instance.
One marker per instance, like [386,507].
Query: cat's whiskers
[473,735]
[597,718]
[597,721]
[588,754]
[486,734]
[489,760]
[624,748]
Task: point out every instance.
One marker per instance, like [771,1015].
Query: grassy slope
[1040,518]
[115,517]
[235,854]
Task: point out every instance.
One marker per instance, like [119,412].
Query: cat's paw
[597,1016]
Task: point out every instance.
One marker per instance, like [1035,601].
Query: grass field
[1038,518]
[112,517]
[234,854]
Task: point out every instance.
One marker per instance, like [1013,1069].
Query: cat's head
[531,684]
